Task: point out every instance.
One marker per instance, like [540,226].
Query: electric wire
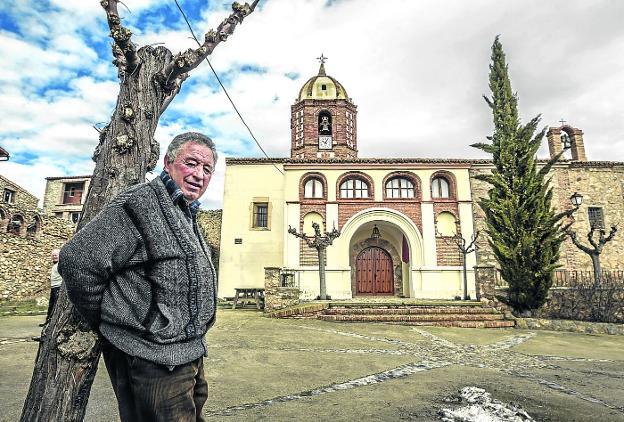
[222,86]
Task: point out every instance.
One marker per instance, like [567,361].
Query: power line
[222,86]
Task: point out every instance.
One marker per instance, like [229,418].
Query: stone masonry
[25,259]
[600,183]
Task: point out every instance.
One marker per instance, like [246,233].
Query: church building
[397,217]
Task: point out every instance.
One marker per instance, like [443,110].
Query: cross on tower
[563,122]
[322,58]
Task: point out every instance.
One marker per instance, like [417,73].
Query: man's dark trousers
[148,391]
[54,292]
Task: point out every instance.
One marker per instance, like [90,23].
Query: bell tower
[323,120]
[566,137]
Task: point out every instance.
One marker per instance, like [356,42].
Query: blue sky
[416,70]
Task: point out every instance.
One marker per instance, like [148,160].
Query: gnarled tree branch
[590,238]
[579,244]
[126,58]
[186,61]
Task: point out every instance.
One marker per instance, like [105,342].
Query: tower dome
[323,120]
[322,87]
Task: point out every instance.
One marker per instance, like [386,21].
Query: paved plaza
[263,369]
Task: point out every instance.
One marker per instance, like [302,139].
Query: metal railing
[570,278]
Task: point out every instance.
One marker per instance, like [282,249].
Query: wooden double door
[374,273]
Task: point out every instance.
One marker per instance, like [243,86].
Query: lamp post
[596,244]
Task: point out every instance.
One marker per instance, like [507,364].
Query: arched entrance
[374,272]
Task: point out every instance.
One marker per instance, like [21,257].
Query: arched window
[313,188]
[440,188]
[16,224]
[34,227]
[399,187]
[325,123]
[353,188]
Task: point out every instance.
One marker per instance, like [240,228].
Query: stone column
[554,141]
[578,147]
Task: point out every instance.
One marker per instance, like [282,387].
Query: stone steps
[444,314]
[465,314]
[411,318]
[409,310]
[464,324]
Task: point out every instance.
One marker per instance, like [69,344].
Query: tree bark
[69,350]
[323,286]
[595,257]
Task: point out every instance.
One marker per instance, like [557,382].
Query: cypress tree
[524,231]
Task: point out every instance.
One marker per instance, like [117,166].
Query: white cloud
[416,71]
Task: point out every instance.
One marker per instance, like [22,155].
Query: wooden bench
[249,295]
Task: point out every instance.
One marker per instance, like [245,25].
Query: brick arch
[360,176]
[305,178]
[407,175]
[452,181]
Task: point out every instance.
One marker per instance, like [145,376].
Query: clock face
[325,142]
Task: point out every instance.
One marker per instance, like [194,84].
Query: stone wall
[275,296]
[25,259]
[209,222]
[600,183]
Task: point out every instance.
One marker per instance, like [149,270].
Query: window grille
[261,215]
[596,217]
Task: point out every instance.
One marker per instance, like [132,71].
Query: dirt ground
[264,369]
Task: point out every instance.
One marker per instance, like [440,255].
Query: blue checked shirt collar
[176,194]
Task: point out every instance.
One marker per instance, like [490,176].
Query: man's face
[55,256]
[192,169]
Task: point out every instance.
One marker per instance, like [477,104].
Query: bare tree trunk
[597,268]
[323,286]
[69,350]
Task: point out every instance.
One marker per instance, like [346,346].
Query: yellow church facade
[409,232]
[396,217]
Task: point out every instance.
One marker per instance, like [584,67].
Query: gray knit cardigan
[139,273]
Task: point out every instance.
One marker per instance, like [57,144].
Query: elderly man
[140,272]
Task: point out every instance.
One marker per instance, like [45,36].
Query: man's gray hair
[180,140]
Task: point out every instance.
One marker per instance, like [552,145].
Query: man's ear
[166,163]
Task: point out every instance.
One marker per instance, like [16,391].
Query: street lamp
[576,199]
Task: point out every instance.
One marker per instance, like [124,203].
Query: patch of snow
[481,407]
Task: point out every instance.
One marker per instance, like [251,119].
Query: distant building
[64,196]
[27,237]
[18,209]
[4,154]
